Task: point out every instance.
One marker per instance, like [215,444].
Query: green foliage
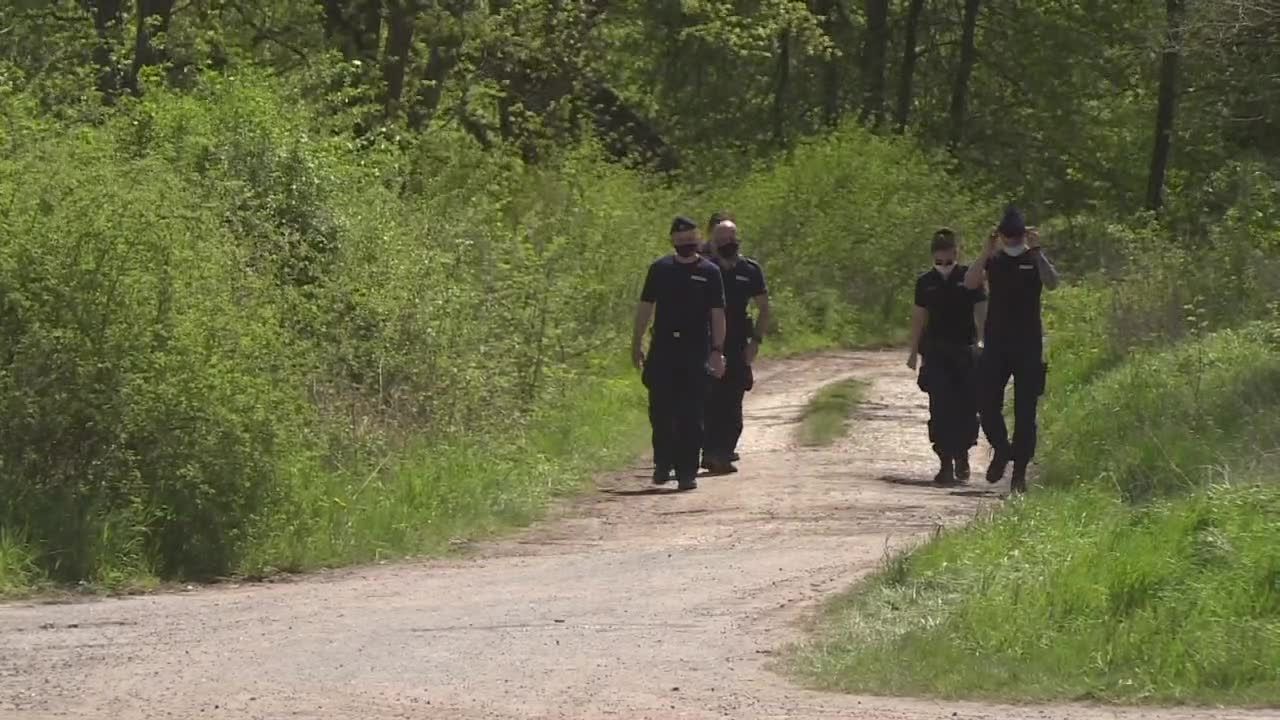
[826,417]
[236,339]
[842,223]
[1173,420]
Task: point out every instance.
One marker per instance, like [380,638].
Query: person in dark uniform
[1016,271]
[706,249]
[743,283]
[945,326]
[684,296]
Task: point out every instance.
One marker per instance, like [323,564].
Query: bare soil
[630,603]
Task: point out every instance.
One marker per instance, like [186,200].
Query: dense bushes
[235,339]
[843,223]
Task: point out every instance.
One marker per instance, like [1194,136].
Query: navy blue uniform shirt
[1014,287]
[683,294]
[742,282]
[950,305]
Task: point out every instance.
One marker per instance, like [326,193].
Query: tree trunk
[440,62]
[875,48]
[356,27]
[781,89]
[401,17]
[152,19]
[830,74]
[442,58]
[910,54]
[628,135]
[108,17]
[968,57]
[1167,105]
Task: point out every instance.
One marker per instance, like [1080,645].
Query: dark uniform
[1014,343]
[948,371]
[675,368]
[742,282]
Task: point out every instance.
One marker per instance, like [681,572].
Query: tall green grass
[1074,595]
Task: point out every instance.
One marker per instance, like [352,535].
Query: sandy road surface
[630,604]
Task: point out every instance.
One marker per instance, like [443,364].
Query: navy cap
[1012,225]
[682,224]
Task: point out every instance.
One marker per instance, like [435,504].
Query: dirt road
[630,604]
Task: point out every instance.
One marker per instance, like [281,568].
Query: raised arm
[976,276]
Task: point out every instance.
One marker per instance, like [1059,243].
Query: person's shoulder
[664,261]
[706,265]
[926,277]
[752,263]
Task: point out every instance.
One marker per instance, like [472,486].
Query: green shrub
[843,223]
[1171,420]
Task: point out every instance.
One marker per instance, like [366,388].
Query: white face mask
[1015,250]
[945,270]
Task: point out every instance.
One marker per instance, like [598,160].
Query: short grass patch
[826,419]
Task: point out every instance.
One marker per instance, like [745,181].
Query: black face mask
[685,251]
[728,251]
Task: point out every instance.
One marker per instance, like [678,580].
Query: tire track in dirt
[631,603]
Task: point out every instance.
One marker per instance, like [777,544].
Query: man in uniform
[743,283]
[707,250]
[1015,271]
[945,326]
[684,296]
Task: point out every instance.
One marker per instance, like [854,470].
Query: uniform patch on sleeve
[698,278]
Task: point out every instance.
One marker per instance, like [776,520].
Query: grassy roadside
[826,418]
[1146,571]
[429,498]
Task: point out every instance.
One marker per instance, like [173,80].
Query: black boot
[718,465]
[999,461]
[687,481]
[1018,483]
[661,476]
[946,474]
[962,466]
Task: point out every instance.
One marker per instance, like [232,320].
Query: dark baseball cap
[1013,224]
[682,224]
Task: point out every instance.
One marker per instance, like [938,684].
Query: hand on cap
[993,241]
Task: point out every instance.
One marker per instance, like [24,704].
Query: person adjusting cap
[1012,225]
